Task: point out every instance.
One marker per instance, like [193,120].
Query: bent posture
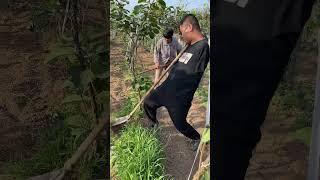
[166,50]
[177,91]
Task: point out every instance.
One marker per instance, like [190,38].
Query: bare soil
[28,87]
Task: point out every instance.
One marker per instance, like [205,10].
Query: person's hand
[157,65]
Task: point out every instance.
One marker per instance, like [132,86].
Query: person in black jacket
[252,43]
[177,91]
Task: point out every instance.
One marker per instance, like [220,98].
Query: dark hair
[191,18]
[168,33]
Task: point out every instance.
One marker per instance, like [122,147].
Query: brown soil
[279,156]
[179,157]
[28,87]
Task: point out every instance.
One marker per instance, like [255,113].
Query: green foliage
[202,94]
[206,136]
[312,28]
[202,91]
[59,51]
[87,68]
[206,176]
[131,101]
[93,70]
[203,16]
[44,13]
[56,146]
[142,21]
[74,98]
[86,77]
[137,154]
[142,83]
[304,135]
[295,102]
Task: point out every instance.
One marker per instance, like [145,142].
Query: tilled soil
[28,86]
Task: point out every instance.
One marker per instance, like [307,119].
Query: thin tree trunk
[65,17]
[80,53]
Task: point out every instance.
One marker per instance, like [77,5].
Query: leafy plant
[142,84]
[137,154]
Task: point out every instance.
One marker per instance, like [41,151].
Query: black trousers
[250,53]
[178,113]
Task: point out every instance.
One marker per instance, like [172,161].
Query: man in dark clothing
[176,92]
[252,43]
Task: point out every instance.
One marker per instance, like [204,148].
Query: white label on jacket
[185,57]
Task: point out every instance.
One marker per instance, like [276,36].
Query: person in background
[166,50]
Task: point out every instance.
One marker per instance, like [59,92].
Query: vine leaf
[58,51]
[206,136]
[102,97]
[86,77]
[74,98]
[74,120]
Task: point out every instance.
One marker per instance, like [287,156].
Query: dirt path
[179,157]
[28,87]
[279,156]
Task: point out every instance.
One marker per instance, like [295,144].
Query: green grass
[202,91]
[131,101]
[202,94]
[137,154]
[206,176]
[304,135]
[297,102]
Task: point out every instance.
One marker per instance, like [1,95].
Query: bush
[137,154]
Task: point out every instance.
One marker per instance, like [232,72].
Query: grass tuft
[137,154]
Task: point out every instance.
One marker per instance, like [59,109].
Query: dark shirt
[185,75]
[261,19]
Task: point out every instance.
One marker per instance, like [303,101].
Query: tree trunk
[80,53]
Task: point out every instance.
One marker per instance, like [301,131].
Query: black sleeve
[203,59]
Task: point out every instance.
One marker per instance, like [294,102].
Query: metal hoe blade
[120,120]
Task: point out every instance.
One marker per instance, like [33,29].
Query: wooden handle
[151,68]
[157,82]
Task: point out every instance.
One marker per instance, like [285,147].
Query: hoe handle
[151,69]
